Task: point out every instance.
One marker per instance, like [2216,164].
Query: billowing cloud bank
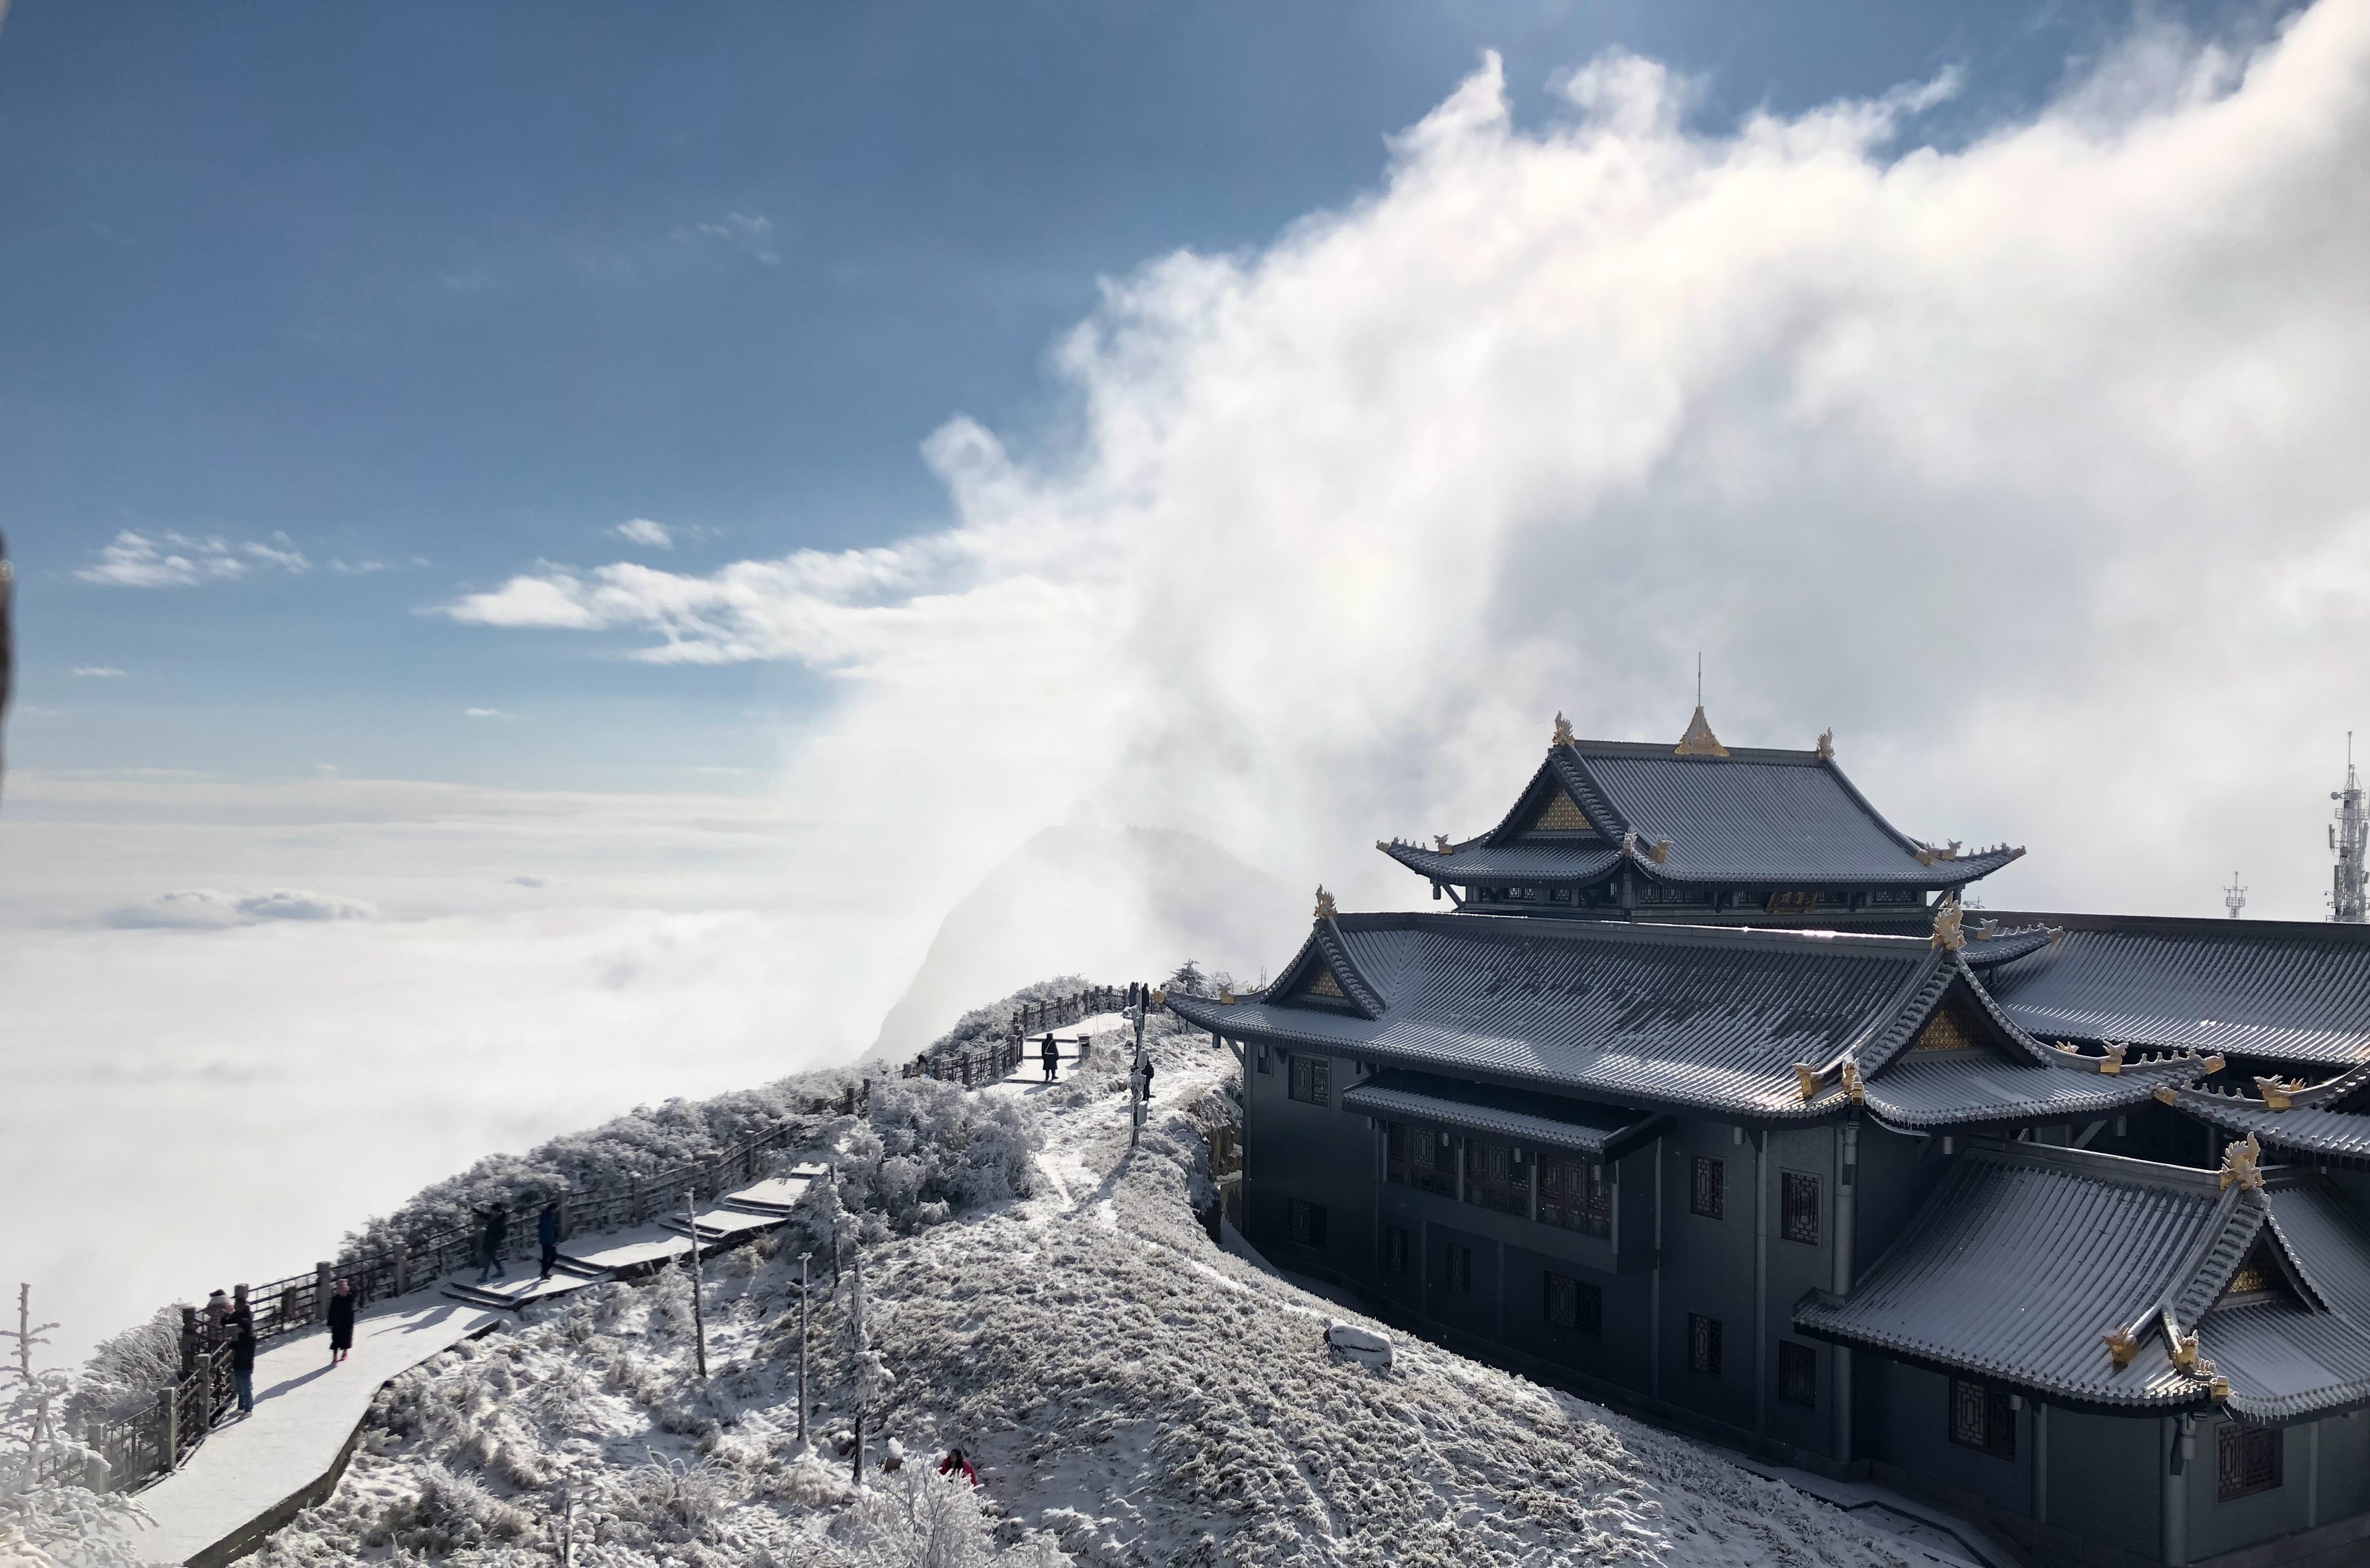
[2037,469]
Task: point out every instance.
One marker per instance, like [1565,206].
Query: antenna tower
[2234,897]
[2349,836]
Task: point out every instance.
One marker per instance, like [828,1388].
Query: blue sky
[426,294]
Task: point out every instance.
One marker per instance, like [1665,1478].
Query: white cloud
[97,672]
[208,909]
[752,232]
[357,568]
[483,714]
[171,559]
[642,531]
[2033,468]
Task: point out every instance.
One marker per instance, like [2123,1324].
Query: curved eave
[2331,1136]
[2160,1386]
[1597,863]
[1345,1034]
[2040,1095]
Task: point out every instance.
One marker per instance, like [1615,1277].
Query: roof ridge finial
[1826,747]
[1563,736]
[1325,908]
[2241,1162]
[1699,741]
[1949,934]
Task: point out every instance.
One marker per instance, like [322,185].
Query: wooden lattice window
[1574,1305]
[1575,1194]
[1312,1080]
[1307,1223]
[1561,813]
[2260,1278]
[1703,1345]
[2247,1459]
[1791,903]
[1799,1193]
[1707,1188]
[1457,1269]
[1946,1030]
[1982,1418]
[1495,1177]
[1798,1374]
[1395,1250]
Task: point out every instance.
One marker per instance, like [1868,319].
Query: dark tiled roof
[2269,990]
[1754,818]
[1665,1016]
[1600,1132]
[2326,1122]
[2025,1258]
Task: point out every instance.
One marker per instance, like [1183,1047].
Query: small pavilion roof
[1736,816]
[1756,1024]
[2029,1263]
[2275,991]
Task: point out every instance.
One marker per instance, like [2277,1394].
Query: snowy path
[249,1476]
[306,1413]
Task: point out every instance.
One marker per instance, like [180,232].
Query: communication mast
[2349,836]
[2234,897]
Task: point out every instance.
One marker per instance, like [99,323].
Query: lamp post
[802,1348]
[699,1314]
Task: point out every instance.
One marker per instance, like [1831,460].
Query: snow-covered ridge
[1128,1392]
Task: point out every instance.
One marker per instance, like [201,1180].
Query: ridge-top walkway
[253,1474]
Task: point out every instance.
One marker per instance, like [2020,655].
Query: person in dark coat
[242,1360]
[342,1322]
[490,1243]
[546,1234]
[1051,1058]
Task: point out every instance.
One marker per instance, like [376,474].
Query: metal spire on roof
[2234,897]
[2349,836]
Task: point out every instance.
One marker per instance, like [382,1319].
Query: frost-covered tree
[48,1508]
[1187,977]
[919,1519]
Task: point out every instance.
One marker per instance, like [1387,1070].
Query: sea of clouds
[2034,467]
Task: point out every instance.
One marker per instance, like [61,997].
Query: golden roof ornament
[1852,1085]
[1949,921]
[2241,1162]
[1808,1078]
[2275,1092]
[2122,1345]
[1563,735]
[1227,994]
[2111,1056]
[1699,741]
[1827,746]
[1440,841]
[1325,909]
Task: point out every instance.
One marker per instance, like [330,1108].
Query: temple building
[1706,1098]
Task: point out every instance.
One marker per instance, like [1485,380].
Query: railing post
[168,1454]
[320,1293]
[403,1267]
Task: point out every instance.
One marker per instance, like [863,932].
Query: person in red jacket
[955,1464]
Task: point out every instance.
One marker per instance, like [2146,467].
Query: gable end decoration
[1325,906]
[2241,1162]
[1560,813]
[1949,934]
[1563,735]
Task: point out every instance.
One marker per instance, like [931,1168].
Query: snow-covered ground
[1130,1394]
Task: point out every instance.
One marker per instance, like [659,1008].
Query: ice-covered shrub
[984,1026]
[919,1519]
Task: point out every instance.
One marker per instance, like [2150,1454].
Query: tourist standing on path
[546,1233]
[1052,1057]
[342,1322]
[214,1330]
[242,1361]
[489,1246]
